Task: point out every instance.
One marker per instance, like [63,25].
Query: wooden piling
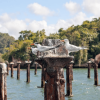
[18,70]
[95,74]
[72,63]
[7,68]
[42,76]
[28,71]
[35,69]
[11,63]
[54,85]
[89,66]
[3,87]
[54,77]
[69,80]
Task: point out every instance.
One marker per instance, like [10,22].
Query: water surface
[82,87]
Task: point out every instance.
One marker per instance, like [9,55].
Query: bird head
[36,44]
[65,40]
[32,44]
[62,41]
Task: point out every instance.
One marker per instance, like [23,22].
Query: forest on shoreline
[87,34]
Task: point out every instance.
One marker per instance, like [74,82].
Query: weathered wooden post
[35,68]
[18,69]
[28,71]
[7,68]
[89,66]
[11,63]
[43,76]
[72,62]
[55,82]
[43,66]
[3,86]
[69,79]
[95,74]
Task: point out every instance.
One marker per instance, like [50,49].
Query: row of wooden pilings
[18,69]
[69,74]
[5,71]
[69,77]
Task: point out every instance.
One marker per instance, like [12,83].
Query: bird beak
[62,41]
[29,47]
[32,44]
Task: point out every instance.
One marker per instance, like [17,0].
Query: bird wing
[73,48]
[45,48]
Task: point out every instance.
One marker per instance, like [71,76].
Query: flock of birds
[70,48]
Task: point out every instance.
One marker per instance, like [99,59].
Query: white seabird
[72,48]
[34,50]
[45,48]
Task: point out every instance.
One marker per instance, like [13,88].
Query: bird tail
[84,48]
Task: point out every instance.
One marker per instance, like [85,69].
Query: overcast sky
[17,15]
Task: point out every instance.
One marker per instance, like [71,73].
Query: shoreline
[40,68]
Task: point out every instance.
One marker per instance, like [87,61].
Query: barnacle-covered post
[28,71]
[3,86]
[12,64]
[18,69]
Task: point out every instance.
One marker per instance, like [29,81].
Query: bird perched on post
[70,47]
[45,48]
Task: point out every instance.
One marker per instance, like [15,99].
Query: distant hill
[5,41]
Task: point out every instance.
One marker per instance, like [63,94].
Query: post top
[89,61]
[6,62]
[35,63]
[3,67]
[12,63]
[72,62]
[56,56]
[28,62]
[18,62]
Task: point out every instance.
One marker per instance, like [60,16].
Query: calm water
[83,88]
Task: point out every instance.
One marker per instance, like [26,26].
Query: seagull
[45,48]
[72,48]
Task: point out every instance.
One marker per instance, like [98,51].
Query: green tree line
[87,34]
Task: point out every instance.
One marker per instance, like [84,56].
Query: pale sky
[18,15]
